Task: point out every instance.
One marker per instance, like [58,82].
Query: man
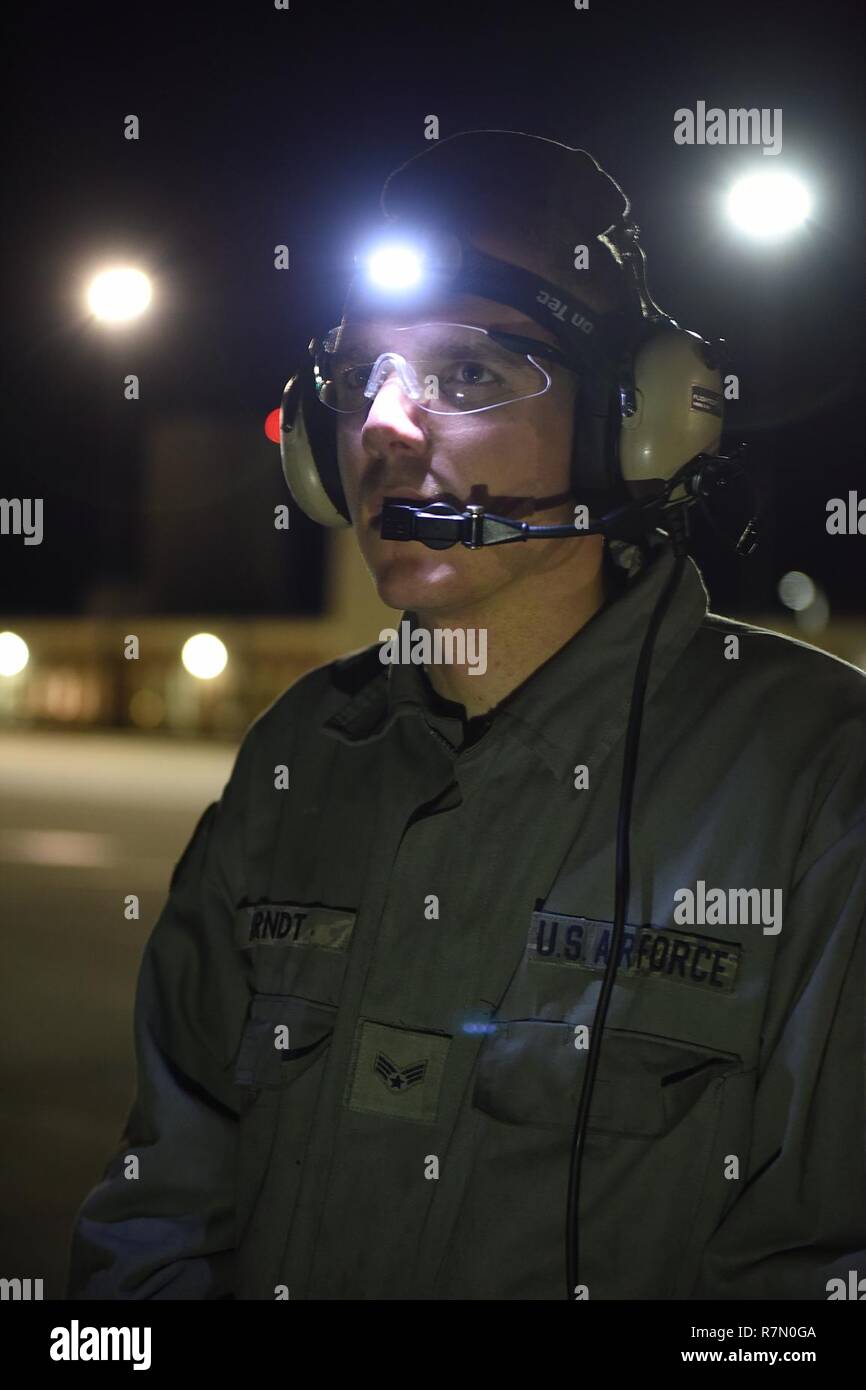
[362,1016]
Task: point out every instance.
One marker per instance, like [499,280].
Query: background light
[813,620]
[796,590]
[768,205]
[272,425]
[147,709]
[118,295]
[204,656]
[14,654]
[394,267]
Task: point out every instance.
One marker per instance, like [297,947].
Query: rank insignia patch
[396,1078]
[396,1071]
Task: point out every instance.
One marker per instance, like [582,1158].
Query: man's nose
[393,416]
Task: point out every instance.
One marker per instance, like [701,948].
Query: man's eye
[472,371]
[356,378]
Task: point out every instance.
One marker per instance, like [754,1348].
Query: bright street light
[204,656]
[768,205]
[119,294]
[14,653]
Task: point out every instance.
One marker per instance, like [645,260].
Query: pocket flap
[529,1072]
[284,1035]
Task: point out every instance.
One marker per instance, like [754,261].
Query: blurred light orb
[147,709]
[14,654]
[796,590]
[204,656]
[768,205]
[272,425]
[814,619]
[118,295]
[394,267]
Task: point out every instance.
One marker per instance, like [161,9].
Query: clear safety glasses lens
[445,368]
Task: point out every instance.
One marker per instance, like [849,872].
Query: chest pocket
[296,948]
[278,1069]
[284,1037]
[660,1058]
[666,1118]
[529,1072]
[298,953]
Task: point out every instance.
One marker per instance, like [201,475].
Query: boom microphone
[439,526]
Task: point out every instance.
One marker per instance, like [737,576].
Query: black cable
[678,521]
[745,544]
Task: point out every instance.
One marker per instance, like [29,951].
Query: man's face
[513,459]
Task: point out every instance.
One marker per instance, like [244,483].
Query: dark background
[261,126]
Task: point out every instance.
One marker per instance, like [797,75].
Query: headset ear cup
[308,450]
[679,402]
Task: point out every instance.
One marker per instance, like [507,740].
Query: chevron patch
[396,1071]
[396,1078]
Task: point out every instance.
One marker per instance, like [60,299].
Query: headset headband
[594,341]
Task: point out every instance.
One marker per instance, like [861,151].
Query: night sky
[261,126]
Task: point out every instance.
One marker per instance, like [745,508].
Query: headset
[649,401]
[647,428]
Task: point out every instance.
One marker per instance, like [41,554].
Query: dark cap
[527,190]
[539,178]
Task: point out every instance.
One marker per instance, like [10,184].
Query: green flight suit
[358,1016]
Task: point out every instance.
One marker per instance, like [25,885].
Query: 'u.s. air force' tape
[668,954]
[293,924]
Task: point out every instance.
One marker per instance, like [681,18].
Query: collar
[576,700]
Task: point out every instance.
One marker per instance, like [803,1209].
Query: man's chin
[427,581]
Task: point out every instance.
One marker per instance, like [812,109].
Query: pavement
[86,819]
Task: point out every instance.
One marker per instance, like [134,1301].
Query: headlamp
[418,268]
[394,267]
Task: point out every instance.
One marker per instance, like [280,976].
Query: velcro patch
[293,924]
[397,1071]
[703,962]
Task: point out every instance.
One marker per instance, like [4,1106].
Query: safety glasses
[445,368]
